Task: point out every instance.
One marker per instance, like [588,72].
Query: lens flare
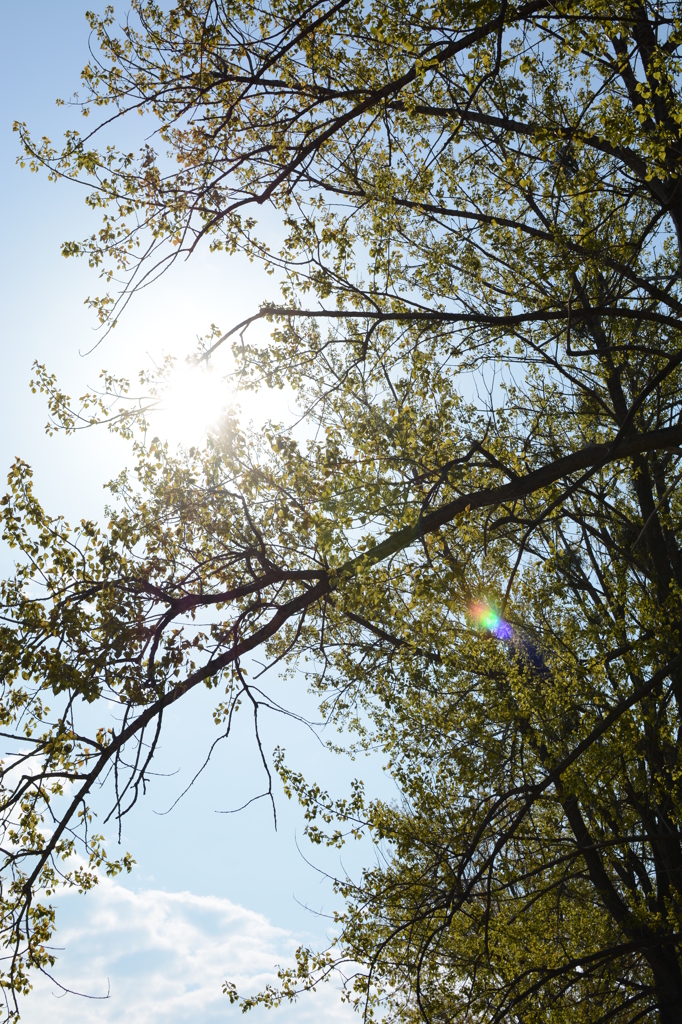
[485,618]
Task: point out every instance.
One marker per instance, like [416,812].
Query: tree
[476,545]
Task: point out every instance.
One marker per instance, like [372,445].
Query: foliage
[481,321]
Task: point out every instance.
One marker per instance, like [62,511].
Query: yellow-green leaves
[481,327]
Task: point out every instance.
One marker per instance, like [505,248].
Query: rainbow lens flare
[486,618]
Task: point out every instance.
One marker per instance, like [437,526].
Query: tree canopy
[472,543]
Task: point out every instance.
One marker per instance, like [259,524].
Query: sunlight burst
[196,398]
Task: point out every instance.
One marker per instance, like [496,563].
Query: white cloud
[166,956]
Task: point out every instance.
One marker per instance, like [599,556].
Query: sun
[193,403]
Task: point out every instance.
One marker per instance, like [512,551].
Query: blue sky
[212,896]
